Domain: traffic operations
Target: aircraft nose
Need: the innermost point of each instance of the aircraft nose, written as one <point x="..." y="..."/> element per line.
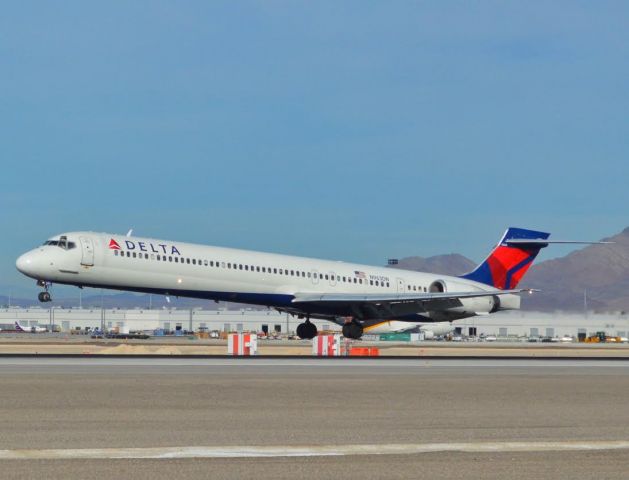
<point x="28" y="263"/>
<point x="24" y="263"/>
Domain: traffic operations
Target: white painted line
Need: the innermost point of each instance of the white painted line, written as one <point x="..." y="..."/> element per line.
<point x="308" y="451"/>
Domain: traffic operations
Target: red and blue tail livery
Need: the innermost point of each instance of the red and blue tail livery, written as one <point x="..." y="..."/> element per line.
<point x="509" y="261"/>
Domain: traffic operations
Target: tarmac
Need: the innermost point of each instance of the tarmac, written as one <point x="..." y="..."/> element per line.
<point x="103" y="417"/>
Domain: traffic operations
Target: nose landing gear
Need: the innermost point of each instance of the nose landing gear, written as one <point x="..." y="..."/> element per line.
<point x="45" y="295"/>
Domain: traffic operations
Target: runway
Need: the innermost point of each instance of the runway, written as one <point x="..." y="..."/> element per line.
<point x="362" y="418"/>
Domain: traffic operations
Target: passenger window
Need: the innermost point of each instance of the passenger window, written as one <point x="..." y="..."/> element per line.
<point x="146" y="256"/>
<point x="246" y="267"/>
<point x="308" y="274"/>
<point x="292" y="273"/>
<point x="326" y="276"/>
<point x="370" y="282"/>
<point x="170" y="259"/>
<point x="134" y="255"/>
<point x="377" y="284"/>
<point x="177" y="260"/>
<point x="257" y="269"/>
<point x="355" y="281"/>
<point x="116" y="253"/>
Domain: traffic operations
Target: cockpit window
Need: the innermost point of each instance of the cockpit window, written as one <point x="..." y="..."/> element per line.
<point x="62" y="243"/>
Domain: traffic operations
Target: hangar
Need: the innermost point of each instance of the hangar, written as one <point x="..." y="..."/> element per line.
<point x="503" y="324"/>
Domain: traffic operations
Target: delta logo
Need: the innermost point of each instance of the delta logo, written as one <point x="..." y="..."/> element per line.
<point x="145" y="247"/>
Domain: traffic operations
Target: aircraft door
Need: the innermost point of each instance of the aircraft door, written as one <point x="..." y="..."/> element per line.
<point x="87" y="248"/>
<point x="400" y="285"/>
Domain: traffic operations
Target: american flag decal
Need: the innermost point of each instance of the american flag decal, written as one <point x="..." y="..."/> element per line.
<point x="359" y="274"/>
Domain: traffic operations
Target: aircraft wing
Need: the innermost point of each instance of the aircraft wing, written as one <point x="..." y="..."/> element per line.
<point x="399" y="303"/>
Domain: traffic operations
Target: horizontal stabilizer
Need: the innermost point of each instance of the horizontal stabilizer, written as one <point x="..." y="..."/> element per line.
<point x="523" y="242"/>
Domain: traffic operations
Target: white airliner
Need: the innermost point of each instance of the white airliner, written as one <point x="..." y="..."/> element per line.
<point x="430" y="330"/>
<point x="349" y="294"/>
<point x="33" y="329"/>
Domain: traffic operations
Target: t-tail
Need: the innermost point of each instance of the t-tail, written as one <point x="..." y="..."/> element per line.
<point x="510" y="259"/>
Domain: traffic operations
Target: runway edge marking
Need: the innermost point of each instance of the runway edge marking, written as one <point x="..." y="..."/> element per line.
<point x="306" y="451"/>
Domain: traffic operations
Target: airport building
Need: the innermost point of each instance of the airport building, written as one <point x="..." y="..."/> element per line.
<point x="503" y="324"/>
<point x="172" y="320"/>
<point x="518" y="323"/>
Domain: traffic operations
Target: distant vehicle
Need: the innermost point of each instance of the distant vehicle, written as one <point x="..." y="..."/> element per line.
<point x="567" y="339"/>
<point x="33" y="329"/>
<point x="490" y="338"/>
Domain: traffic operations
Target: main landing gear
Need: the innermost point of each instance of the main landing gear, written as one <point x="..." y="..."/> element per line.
<point x="307" y="330"/>
<point x="353" y="330"/>
<point x="45" y="295"/>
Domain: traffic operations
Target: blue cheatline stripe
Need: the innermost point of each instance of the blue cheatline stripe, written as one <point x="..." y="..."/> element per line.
<point x="481" y="274"/>
<point x="512" y="271"/>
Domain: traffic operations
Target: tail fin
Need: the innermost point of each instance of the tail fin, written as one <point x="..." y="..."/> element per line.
<point x="510" y="259"/>
<point x="19" y="327"/>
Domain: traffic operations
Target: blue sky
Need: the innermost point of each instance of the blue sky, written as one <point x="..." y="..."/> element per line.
<point x="346" y="130"/>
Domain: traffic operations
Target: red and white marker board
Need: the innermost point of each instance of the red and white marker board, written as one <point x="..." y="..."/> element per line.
<point x="242" y="344"/>
<point x="326" y="346"/>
